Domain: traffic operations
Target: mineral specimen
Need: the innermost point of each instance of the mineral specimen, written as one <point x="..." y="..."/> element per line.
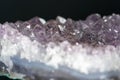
<point x="61" y="49"/>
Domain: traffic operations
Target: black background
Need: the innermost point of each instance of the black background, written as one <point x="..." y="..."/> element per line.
<point x="12" y="10"/>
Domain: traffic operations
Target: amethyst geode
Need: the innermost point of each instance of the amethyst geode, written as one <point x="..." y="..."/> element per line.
<point x="94" y="30"/>
<point x="61" y="48"/>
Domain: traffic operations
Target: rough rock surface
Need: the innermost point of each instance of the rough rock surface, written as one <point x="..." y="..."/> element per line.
<point x="61" y="48"/>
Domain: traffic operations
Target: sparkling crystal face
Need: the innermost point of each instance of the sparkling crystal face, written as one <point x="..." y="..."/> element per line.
<point x="95" y="30"/>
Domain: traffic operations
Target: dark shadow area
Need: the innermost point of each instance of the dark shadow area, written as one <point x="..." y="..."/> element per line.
<point x="6" y="78"/>
<point x="49" y="9"/>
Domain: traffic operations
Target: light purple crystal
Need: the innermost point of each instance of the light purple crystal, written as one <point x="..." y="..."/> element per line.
<point x="93" y="30"/>
<point x="61" y="48"/>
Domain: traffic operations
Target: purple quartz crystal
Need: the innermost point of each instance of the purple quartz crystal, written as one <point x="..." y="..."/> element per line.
<point x="61" y="48"/>
<point x="95" y="30"/>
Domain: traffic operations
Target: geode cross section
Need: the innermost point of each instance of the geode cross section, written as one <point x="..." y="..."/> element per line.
<point x="61" y="48"/>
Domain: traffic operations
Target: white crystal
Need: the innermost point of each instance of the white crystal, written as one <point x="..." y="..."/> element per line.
<point x="64" y="54"/>
<point x="43" y="21"/>
<point x="61" y="27"/>
<point x="28" y="26"/>
<point x="61" y="19"/>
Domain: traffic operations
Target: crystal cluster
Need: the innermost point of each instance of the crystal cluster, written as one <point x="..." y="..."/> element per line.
<point x="61" y="48"/>
<point x="95" y="30"/>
